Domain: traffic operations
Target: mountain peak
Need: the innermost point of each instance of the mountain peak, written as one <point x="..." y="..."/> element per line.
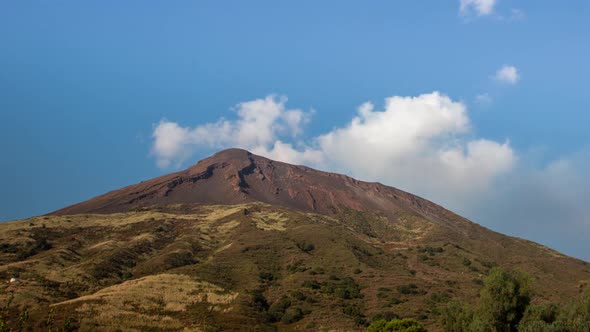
<point x="235" y="176"/>
<point x="231" y="153"/>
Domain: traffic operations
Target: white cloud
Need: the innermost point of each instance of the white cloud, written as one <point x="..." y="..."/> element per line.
<point x="507" y="74"/>
<point x="477" y="7"/>
<point x="260" y="122"/>
<point x="417" y="143"/>
<point x="170" y="143"/>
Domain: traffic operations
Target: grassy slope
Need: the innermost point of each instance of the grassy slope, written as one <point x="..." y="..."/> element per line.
<point x="198" y="267"/>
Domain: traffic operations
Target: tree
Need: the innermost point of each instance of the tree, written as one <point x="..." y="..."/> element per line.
<point x="457" y="317"/>
<point x="576" y="316"/>
<point x="504" y="299"/>
<point x="396" y="325"/>
<point x="538" y="318"/>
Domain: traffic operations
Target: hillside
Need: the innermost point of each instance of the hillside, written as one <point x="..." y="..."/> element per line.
<point x="241" y="242"/>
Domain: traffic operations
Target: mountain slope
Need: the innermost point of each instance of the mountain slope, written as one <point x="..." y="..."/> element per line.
<point x="289" y="248"/>
<point x="236" y="176"/>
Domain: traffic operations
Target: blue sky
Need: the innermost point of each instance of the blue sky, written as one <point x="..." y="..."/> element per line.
<point x="85" y="86"/>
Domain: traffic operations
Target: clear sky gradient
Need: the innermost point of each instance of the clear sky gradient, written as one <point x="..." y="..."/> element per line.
<point x="84" y="84"/>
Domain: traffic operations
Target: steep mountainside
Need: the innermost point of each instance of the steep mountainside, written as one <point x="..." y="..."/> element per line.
<point x="236" y="176"/>
<point x="240" y="242"/>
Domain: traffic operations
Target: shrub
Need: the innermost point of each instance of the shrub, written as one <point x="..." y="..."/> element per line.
<point x="311" y="284"/>
<point x="305" y="247"/>
<point x="296" y="267"/>
<point x="538" y="318"/>
<point x="466" y="261"/>
<point x="355" y="312"/>
<point x="292" y="315"/>
<point x="576" y="315"/>
<point x="456" y="317"/>
<point x="277" y="310"/>
<point x="408" y="289"/>
<point x="384" y="316"/>
<point x="345" y="288"/>
<point x="430" y="250"/>
<point x="503" y="300"/>
<point x="266" y="276"/>
<point x="396" y="325"/>
<point x="258" y="301"/>
<point x="297" y="295"/>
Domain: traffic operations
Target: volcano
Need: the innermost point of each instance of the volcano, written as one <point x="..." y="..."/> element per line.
<point x="236" y="176"/>
<point x="241" y="242"/>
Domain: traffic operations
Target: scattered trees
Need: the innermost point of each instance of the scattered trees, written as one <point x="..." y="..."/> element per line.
<point x="504" y="306"/>
<point x="503" y="301"/>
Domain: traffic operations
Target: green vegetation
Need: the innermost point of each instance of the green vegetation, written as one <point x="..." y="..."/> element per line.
<point x="345" y="288"/>
<point x="574" y="316"/>
<point x="355" y="312"/>
<point x="396" y="325"/>
<point x="305" y="247"/>
<point x="503" y="302"/>
<point x="504" y="306"/>
<point x="431" y="251"/>
<point x="410" y="289"/>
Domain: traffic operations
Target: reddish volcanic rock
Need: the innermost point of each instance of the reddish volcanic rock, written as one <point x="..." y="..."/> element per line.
<point x="236" y="176"/>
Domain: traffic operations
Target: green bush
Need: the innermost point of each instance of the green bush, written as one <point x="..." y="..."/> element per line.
<point x="538" y="318"/>
<point x="387" y="316"/>
<point x="456" y="317"/>
<point x="292" y="315"/>
<point x="277" y="310"/>
<point x="266" y="276"/>
<point x="305" y="247"/>
<point x="311" y="284"/>
<point x="504" y="299"/>
<point x="258" y="301"/>
<point x="296" y="267"/>
<point x="576" y="315"/>
<point x="408" y="289"/>
<point x="355" y="312"/>
<point x="396" y="325"/>
<point x="345" y="288"/>
<point x="505" y="306"/>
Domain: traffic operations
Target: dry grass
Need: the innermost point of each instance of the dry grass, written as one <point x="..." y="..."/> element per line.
<point x="270" y="221"/>
<point x="148" y="302"/>
<point x="154" y="270"/>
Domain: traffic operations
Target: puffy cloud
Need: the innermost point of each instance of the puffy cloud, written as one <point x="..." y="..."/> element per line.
<point x="170" y="143"/>
<point x="507" y="74"/>
<point x="477" y="7"/>
<point x="417" y="143"/>
<point x="260" y="122"/>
